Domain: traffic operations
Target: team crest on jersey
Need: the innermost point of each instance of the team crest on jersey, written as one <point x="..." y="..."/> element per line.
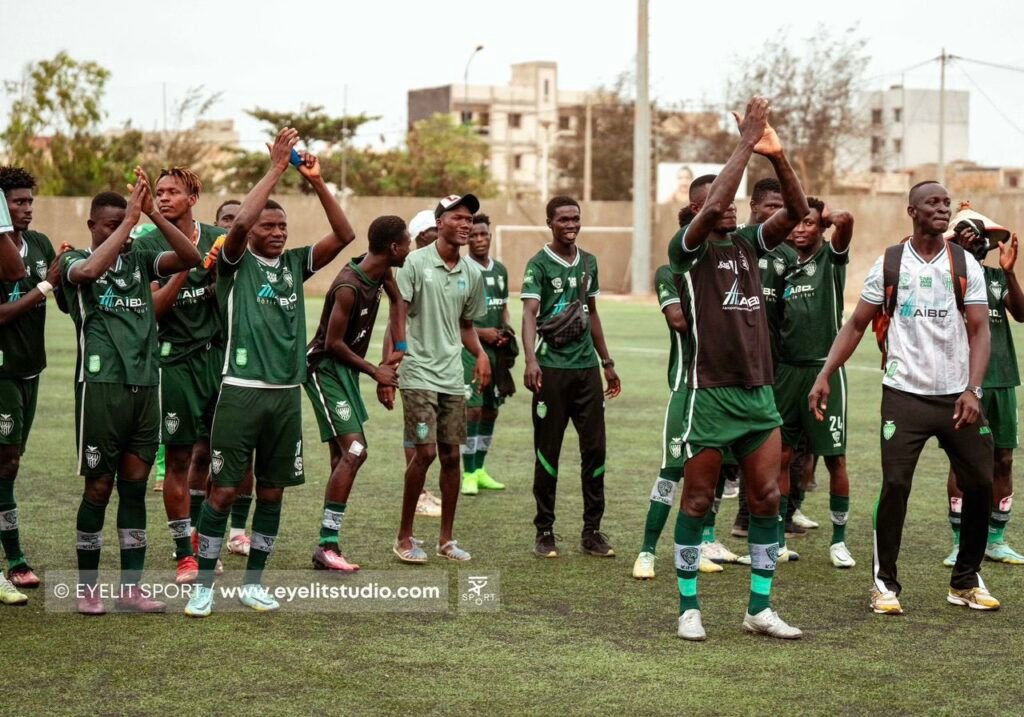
<point x="889" y="430"/>
<point x="343" y="410"/>
<point x="779" y="265"/>
<point x="272" y="276"/>
<point x="298" y="458"/>
<point x="501" y="283"/>
<point x="675" y="447"/>
<point x="810" y="268"/>
<point x="422" y="430"/>
<point x="542" y="409"/>
<point x="287" y="274"/>
<point x="6" y="424"/>
<point x="995" y="289"/>
<point x="904" y="280"/>
<point x="41" y="269"/>
<point x="171" y="423"/>
<point x="137" y="275"/>
<point x="557" y="282"/>
<point x="217" y="462"/>
<point x="121" y="283"/>
<point x="572" y="281"/>
<point x="92" y="456"/>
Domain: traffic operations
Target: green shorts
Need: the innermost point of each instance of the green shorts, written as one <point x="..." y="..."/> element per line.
<point x="1000" y="408"/>
<point x="17" y="409"/>
<point x="792" y="386"/>
<point x="729" y="417"/>
<point x="112" y="419"/>
<point x="432" y="417"/>
<point x="475" y="398"/>
<point x="334" y="392"/>
<point x="267" y="421"/>
<point x="188" y="396"/>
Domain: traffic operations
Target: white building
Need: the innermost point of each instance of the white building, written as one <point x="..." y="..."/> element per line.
<point x="904" y="128"/>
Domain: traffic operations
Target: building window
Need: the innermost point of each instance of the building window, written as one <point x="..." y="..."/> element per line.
<point x="484" y="119"/>
<point x="515" y="120"/>
<point x="877" y="143"/>
<point x="563" y="123"/>
<point x="517" y="161"/>
<point x="897" y="146"/>
<point x="897" y="114"/>
<point x="1013" y="181"/>
<point x="547" y="89"/>
<point x="876" y="117"/>
<point x="467" y="116"/>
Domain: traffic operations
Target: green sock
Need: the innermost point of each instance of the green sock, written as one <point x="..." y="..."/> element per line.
<point x="266" y="520"/>
<point x="708" y="534"/>
<point x="181" y="534"/>
<point x="688" y="530"/>
<point x="783" y="507"/>
<point x="330" y="526"/>
<point x="240" y="511"/>
<point x="195" y="505"/>
<point x="997" y="521"/>
<point x="662" y="498"/>
<point x="89" y="539"/>
<point x="469" y="449"/>
<point x="9" y="537"/>
<point x="131" y="529"/>
<point x="954" y="518"/>
<point x="764" y="547"/>
<point x="161" y="463"/>
<point x="484" y="438"/>
<point x="839" y="506"/>
<point x="211" y="527"/>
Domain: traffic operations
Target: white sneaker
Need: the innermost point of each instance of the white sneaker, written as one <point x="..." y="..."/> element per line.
<point x="691" y="627"/>
<point x="643" y="566"/>
<point x="427" y="507"/>
<point x="950" y="560"/>
<point x="732" y="489"/>
<point x="706" y="566"/>
<point x="768" y="622"/>
<point x="840" y="555"/>
<point x="803" y="521"/>
<point x="257" y="597"/>
<point x="743" y="560"/>
<point x="718" y="553"/>
<point x="787" y="556"/>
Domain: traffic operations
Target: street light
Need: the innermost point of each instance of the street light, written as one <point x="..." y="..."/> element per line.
<point x="465" y="82"/>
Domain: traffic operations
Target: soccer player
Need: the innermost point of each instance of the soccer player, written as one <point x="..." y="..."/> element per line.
<point x="335" y="358"/>
<point x="563" y="370"/>
<point x="444" y="295"/>
<point x="935" y="362"/>
<point x="191" y="356"/>
<point x="117" y="394"/>
<point x="809" y="314"/>
<point x="22" y="360"/>
<point x="730" y="401"/>
<point x="482" y="405"/>
<point x="259" y="287"/>
<point x="999" y="402"/>
<point x="226" y="213"/>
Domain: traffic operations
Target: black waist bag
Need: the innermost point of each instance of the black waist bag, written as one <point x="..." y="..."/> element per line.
<point x="569" y="325"/>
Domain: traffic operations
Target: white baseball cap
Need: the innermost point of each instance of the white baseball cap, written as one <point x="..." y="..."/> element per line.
<point x="421" y="222"/>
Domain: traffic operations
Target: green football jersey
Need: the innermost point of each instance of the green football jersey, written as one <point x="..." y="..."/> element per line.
<point x="668" y="294"/>
<point x="556" y="283"/>
<point x="22" y="344"/>
<point x="114" y="320"/>
<point x="194" y="321"/>
<point x="811" y="309"/>
<point x="1002" y="366"/>
<point x="495" y="278"/>
<point x="263" y="310"/>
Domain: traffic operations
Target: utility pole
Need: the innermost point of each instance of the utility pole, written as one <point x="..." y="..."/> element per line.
<point x="641" y="278"/>
<point x="942" y="116"/>
<point x="344" y="141"/>
<point x="588" y="150"/>
<point x="544" y="161"/>
<point x="466" y="113"/>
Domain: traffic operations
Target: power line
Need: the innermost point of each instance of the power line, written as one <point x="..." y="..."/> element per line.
<point x="996" y="65"/>
<point x="990" y="100"/>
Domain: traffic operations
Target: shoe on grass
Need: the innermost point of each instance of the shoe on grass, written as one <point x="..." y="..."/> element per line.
<point x="997" y="552"/>
<point x="885" y="602"/>
<point x="978" y="598"/>
<point x="469" y="485"/>
<point x="485" y="482"/>
<point x="239" y="545"/>
<point x="717" y="553"/>
<point x="255" y="596"/>
<point x="767" y="622"/>
<point x="643" y="566"/>
<point x="803" y="521"/>
<point x="201" y="602"/>
<point x="328" y="557"/>
<point x="9" y="594"/>
<point x="452" y="551"/>
<point x="134" y="600"/>
<point x="731" y="490"/>
<point x="545" y="546"/>
<point x="691" y="627"/>
<point x="795" y="531"/>
<point x="840" y="556"/>
<point x="950" y="560"/>
<point x="22" y="576"/>
<point x="426" y="506"/>
<point x="187" y="570"/>
<point x="413" y="555"/>
<point x="594" y="542"/>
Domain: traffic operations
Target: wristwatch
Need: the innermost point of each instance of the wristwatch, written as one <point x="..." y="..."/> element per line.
<point x="977" y="391"/>
<point x="607" y="363"/>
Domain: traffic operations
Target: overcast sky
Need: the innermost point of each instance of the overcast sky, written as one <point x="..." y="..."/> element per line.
<point x="279" y="55"/>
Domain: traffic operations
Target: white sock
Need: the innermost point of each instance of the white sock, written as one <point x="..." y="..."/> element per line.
<point x="235" y="532"/>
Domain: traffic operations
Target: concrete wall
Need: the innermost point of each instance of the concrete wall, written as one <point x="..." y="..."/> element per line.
<point x="880" y="221"/>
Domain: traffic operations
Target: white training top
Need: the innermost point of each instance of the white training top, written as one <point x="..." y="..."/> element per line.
<point x="928" y="350"/>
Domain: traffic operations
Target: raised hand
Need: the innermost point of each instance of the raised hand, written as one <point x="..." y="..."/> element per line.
<point x="754" y="128"/>
<point x="147" y="201"/>
<point x="309" y="167"/>
<point x="1008" y="254"/>
<point x="140" y="191"/>
<point x="281" y="150"/>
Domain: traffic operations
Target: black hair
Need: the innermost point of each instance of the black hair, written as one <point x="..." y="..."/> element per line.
<point x="186" y="176"/>
<point x="271" y="204"/>
<point x="560" y="201"/>
<point x="384" y="231"/>
<point x="685" y="216"/>
<point x="228" y="203"/>
<point x="481" y="218"/>
<point x="910" y="195"/>
<point x="15" y="178"/>
<point x="699" y="182"/>
<point x="765" y="186"/>
<point x="815" y="203"/>
<point x="107" y="199"/>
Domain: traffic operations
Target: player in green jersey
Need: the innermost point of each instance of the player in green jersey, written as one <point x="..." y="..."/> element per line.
<point x="259" y="409"/>
<point x="117" y="381"/>
<point x="226" y="213"/>
<point x="999" y="400"/>
<point x="191" y="355"/>
<point x="809" y="313"/>
<point x="493" y="329"/>
<point x="22" y="360"/>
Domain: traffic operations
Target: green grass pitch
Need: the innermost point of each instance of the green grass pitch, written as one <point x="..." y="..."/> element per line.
<point x="574" y="636"/>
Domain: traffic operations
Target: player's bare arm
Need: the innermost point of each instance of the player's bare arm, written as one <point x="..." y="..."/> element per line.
<point x="90" y="269"/>
<point x="385" y="374"/>
<point x="12" y="268"/>
<point x="979" y="342"/>
<point x="1014" y="299"/>
<point x="614" y="384"/>
<point x="842" y="222"/>
<point x="842" y="349"/>
<point x="675" y="318"/>
<point x="164" y="297"/>
<point x="13" y="309"/>
<point x="342" y="232"/>
<point x="252" y="206"/>
<point x="471" y="342"/>
<point x="532" y="377"/>
<point x="781" y="223"/>
<point x="396" y="320"/>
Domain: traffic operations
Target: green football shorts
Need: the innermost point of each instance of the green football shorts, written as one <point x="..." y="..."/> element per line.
<point x="188" y="396"/>
<point x="792" y="386"/>
<point x="17" y="409"/>
<point x="728" y="417"/>
<point x="111" y="419"/>
<point x="475" y="398"/>
<point x="267" y="421"/>
<point x="1000" y="408"/>
<point x="333" y="390"/>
